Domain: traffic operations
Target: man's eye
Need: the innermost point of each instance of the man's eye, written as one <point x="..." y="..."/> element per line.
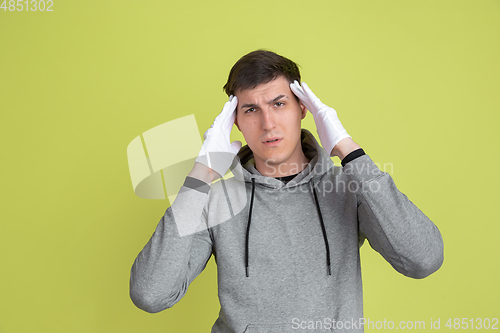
<point x="251" y="109"/>
<point x="279" y="103"/>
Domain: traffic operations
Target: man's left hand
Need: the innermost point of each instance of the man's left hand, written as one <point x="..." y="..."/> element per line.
<point x="330" y="129"/>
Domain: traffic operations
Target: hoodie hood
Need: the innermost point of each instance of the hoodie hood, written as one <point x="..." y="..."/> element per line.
<point x="320" y="163"/>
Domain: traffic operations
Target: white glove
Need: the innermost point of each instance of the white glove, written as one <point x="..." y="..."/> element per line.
<point x="330" y="130"/>
<point x="217" y="152"/>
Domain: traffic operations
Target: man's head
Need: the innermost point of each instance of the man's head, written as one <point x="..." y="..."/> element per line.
<point x="268" y="109"/>
<point x="259" y="67"/>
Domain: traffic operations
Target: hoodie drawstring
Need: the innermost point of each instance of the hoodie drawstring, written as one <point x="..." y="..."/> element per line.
<point x="320" y="220"/>
<point x="248" y="225"/>
<point x="323" y="229"/>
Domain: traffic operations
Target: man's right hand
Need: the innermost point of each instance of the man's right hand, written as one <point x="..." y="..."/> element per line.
<point x="217" y="152"/>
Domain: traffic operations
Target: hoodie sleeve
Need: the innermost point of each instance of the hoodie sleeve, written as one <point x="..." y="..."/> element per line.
<point x="393" y="225"/>
<point x="174" y="256"/>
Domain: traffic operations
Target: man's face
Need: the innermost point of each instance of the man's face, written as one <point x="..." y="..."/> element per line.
<point x="271" y="111"/>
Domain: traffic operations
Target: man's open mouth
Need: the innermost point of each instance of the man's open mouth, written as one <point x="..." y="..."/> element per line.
<point x="273" y="141"/>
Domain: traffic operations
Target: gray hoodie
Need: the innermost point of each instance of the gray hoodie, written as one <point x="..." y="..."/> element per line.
<point x="287" y="254"/>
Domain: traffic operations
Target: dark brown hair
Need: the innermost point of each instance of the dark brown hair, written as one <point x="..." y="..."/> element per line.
<point x="259" y="67"/>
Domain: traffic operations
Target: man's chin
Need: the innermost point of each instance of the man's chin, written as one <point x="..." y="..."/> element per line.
<point x="273" y="161"/>
<point x="275" y="158"/>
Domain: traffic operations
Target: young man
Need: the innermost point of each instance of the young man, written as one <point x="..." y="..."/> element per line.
<point x="287" y="245"/>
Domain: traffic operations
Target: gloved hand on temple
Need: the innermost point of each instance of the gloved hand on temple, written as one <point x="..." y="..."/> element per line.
<point x="217" y="152"/>
<point x="329" y="127"/>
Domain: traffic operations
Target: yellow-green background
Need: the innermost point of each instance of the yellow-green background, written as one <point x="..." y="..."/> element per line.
<point x="415" y="83"/>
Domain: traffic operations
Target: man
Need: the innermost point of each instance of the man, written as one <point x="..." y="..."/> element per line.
<point x="291" y="255"/>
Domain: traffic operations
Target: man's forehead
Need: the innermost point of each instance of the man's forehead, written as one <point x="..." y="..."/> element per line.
<point x="243" y="103"/>
<point x="266" y="91"/>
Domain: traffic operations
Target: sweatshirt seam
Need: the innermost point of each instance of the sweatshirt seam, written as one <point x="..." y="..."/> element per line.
<point x="371" y="179"/>
<point x="226" y="195"/>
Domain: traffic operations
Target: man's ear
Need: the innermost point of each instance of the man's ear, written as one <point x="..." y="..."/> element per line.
<point x="304" y="110"/>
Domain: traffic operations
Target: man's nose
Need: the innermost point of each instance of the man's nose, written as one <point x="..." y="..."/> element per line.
<point x="268" y="121"/>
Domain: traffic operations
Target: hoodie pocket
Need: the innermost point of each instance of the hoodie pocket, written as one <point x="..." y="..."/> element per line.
<point x="270" y="328"/>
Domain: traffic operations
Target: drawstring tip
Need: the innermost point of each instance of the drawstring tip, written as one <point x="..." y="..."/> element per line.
<point x="246" y="269"/>
<point x="329" y="271"/>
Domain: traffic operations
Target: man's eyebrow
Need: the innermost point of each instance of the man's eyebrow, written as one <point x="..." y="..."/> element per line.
<point x="252" y="105"/>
